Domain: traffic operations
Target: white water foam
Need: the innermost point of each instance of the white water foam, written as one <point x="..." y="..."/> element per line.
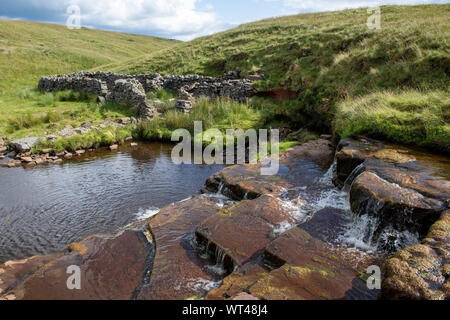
<point x="359" y="234"/>
<point x="201" y="284"/>
<point x="327" y="178"/>
<point x="219" y="199"/>
<point x="305" y="205"/>
<point x="217" y="269"/>
<point x="144" y="214"/>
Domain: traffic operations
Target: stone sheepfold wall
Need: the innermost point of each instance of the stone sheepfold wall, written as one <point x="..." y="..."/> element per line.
<point x="98" y="82"/>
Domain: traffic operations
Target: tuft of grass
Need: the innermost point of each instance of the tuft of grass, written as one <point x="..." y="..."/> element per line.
<point x="410" y="117"/>
<point x="92" y="139"/>
<point x="162" y="94"/>
<point x="221" y="113"/>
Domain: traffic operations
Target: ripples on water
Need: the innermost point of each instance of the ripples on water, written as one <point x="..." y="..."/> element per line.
<point x="45" y="208"/>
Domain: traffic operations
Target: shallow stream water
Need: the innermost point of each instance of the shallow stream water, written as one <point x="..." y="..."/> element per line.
<point x="45" y="208"/>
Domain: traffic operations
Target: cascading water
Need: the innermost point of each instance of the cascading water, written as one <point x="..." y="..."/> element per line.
<point x="219" y="198"/>
<point x="363" y="231"/>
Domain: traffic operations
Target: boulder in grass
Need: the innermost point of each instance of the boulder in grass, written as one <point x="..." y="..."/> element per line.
<point x="24" y="145"/>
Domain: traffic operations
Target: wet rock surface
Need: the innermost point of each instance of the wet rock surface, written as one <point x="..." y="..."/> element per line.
<point x="296" y="266"/>
<point x="178" y="272"/>
<point x="281" y="240"/>
<point x="256" y="219"/>
<point x="402" y="188"/>
<point x="299" y="166"/>
<point x="421" y="271"/>
<point x="111" y="268"/>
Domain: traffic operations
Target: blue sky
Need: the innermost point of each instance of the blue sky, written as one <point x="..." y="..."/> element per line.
<point x="178" y="19"/>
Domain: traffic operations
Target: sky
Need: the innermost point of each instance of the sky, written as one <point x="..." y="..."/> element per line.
<point x="175" y="19"/>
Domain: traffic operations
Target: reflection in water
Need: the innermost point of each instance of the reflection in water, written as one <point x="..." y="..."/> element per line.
<point x="45" y="208"/>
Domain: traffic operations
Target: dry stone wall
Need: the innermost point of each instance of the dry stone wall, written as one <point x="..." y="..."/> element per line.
<point x="73" y="82"/>
<point x="99" y="82"/>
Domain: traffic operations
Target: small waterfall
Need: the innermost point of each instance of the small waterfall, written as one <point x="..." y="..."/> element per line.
<point x="364" y="231"/>
<point x="220" y="187"/>
<point x="353" y="176"/>
<point x="219" y="197"/>
<point x="328" y="177"/>
<point x="223" y="266"/>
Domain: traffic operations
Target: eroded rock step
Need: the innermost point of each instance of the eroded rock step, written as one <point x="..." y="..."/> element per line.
<point x="405" y="190"/>
<point x="111" y="268"/>
<point x="299" y="166"/>
<point x="303" y="268"/>
<point x="240" y="232"/>
<point x="178" y="271"/>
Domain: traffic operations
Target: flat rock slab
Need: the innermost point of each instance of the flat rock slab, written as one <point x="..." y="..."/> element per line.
<point x="178" y="272"/>
<point x="111" y="268"/>
<point x="241" y="231"/>
<point x="245" y="182"/>
<point x="303" y="268"/>
<point x="300" y="165"/>
<point x="426" y="173"/>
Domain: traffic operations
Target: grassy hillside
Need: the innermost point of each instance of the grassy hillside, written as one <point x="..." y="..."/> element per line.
<point x="339" y="68"/>
<point x="29" y="50"/>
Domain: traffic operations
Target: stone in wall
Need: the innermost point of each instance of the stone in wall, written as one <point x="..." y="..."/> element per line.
<point x="185" y="101"/>
<point x="131" y="91"/>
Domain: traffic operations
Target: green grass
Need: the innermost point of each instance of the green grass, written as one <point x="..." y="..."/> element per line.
<point x="51" y="112"/>
<point x="409" y="116"/>
<point x="220" y="113"/>
<point x="29" y="50"/>
<point x="331" y="59"/>
<point x="92" y="139"/>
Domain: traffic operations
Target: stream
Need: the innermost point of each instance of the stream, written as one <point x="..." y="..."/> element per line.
<point x="45" y="208"/>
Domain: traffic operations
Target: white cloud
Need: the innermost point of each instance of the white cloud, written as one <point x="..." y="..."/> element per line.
<point x="180" y="19"/>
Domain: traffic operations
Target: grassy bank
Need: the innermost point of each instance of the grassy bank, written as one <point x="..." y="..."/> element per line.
<point x="219" y="113"/>
<point x="44" y="113"/>
<point x="335" y="63"/>
<point x="410" y="117"/>
<point x="92" y="139"/>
